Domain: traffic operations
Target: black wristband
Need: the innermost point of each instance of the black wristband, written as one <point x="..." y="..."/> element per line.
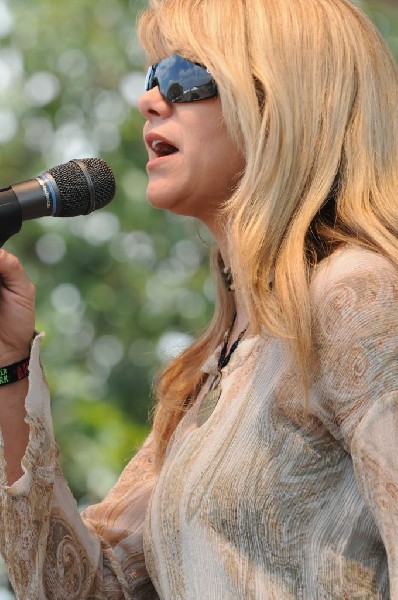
<point x="14" y="372"/>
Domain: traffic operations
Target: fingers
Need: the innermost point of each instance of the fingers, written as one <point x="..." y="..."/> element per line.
<point x="13" y="276"/>
<point x="17" y="311"/>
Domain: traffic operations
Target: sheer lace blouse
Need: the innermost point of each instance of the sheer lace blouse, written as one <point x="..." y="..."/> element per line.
<point x="257" y="503"/>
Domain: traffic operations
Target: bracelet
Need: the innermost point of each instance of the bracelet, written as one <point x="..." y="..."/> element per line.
<point x="14" y="372"/>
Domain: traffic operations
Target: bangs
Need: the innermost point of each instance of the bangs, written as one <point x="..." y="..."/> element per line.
<point x="173" y="27"/>
<point x="198" y="30"/>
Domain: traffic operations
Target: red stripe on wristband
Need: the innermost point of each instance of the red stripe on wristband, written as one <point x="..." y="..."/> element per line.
<point x="14" y="372"/>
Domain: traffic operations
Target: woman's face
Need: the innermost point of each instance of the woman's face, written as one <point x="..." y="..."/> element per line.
<point x="204" y="164"/>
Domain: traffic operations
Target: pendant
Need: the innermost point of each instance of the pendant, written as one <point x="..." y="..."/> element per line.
<point x="209" y="400"/>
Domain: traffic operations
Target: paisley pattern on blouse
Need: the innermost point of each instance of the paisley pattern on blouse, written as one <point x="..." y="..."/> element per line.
<point x="66" y="569"/>
<point x="265" y="500"/>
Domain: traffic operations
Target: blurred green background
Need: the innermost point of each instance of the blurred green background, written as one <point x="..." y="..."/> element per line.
<point x="122" y="290"/>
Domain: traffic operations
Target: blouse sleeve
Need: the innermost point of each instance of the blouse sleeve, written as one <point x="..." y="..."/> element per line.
<point x="50" y="550"/>
<point x="356" y="332"/>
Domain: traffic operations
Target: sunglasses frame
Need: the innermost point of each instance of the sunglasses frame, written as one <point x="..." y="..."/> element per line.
<point x="176" y="92"/>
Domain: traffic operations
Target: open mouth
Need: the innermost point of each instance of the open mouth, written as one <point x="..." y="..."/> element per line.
<point x="163" y="148"/>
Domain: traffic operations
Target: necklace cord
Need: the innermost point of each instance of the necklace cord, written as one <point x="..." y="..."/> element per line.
<point x="224" y="356"/>
<point x="210" y="399"/>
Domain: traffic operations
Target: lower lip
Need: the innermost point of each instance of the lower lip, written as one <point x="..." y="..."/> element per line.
<point x="161" y="159"/>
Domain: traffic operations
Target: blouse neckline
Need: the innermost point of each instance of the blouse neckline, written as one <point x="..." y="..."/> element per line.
<point x="241" y="353"/>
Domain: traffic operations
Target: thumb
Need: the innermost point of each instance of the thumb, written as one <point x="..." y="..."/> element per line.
<point x="13" y="277"/>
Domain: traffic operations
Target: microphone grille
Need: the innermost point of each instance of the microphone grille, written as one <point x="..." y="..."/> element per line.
<point x="80" y="193"/>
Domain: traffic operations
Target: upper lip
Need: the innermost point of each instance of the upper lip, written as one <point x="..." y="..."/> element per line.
<point x="152" y="137"/>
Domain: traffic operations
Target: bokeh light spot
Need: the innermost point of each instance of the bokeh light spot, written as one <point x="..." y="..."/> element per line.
<point x="50" y="248"/>
<point x="6" y="19"/>
<point x="42" y="88"/>
<point x="66" y="298"/>
<point x="8" y="125"/>
<point x="171" y="344"/>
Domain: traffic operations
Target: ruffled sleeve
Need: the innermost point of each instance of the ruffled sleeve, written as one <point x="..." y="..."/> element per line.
<point x="355" y="303"/>
<point x="50" y="550"/>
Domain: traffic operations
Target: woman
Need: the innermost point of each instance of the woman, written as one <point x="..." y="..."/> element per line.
<point x="271" y="471"/>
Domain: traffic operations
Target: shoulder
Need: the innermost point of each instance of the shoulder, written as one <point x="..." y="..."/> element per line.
<point x="354" y="295"/>
<point x="354" y="305"/>
<point x="355" y="274"/>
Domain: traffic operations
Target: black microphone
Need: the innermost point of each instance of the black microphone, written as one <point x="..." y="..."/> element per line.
<point x="74" y="188"/>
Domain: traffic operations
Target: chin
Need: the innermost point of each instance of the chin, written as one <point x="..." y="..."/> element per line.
<point x="170" y="202"/>
<point x="164" y="203"/>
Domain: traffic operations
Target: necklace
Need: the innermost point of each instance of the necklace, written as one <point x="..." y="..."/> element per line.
<point x="212" y="396"/>
<point x="226" y="274"/>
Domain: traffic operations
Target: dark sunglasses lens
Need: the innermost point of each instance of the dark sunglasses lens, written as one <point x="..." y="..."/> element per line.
<point x="181" y="80"/>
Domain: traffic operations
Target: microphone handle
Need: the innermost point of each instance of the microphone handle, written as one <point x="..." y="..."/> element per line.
<point x="10" y="214"/>
<point x="38" y="197"/>
<point x="27" y="200"/>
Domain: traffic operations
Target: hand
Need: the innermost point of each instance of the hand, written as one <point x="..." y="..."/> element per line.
<point x="17" y="310"/>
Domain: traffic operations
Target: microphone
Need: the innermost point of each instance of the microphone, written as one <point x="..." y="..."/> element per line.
<point x="77" y="187"/>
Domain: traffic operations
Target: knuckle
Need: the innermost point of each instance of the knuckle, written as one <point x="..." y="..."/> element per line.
<point x="10" y="260"/>
<point x="14" y="263"/>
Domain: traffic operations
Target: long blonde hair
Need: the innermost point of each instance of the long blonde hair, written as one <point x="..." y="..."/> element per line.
<point x="309" y="91"/>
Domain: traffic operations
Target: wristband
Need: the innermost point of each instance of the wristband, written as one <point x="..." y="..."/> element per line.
<point x="14" y="372"/>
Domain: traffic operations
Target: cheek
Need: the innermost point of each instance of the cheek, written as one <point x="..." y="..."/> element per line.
<point x="216" y="177"/>
<point x="227" y="162"/>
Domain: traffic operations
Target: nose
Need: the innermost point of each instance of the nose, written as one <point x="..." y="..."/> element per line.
<point x="152" y="104"/>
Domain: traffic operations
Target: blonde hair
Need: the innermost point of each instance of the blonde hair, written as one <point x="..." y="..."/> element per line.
<point x="309" y="90"/>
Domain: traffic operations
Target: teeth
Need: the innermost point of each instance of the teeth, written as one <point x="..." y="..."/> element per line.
<point x="155" y="143"/>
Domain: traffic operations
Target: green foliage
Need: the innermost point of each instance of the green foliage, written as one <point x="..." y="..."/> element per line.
<point x="121" y="289"/>
<point x="384" y="15"/>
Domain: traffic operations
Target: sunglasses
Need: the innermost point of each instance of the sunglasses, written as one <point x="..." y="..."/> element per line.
<point x="181" y="80"/>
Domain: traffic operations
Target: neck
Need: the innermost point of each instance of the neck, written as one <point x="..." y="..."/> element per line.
<point x="241" y="321"/>
<point x="217" y="230"/>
